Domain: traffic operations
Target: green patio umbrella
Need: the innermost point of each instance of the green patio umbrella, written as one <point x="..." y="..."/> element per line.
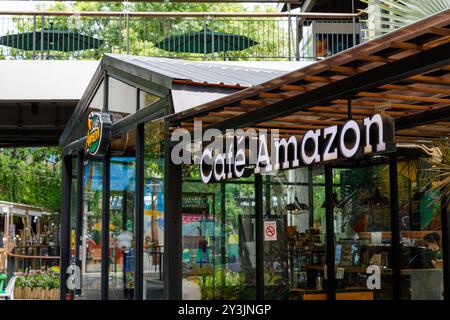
<point x="50" y="39"/>
<point x="202" y="42"/>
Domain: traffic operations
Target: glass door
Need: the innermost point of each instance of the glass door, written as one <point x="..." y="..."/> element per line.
<point x="295" y="251"/>
<point x="362" y="225"/>
<point x="420" y="231"/>
<point x="91" y="242"/>
<point x="122" y="251"/>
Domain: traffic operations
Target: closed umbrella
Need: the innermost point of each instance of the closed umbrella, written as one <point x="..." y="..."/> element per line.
<point x="206" y="42"/>
<point x="50" y="39"/>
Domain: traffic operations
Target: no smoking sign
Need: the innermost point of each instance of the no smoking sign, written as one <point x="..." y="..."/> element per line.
<point x="270" y="231"/>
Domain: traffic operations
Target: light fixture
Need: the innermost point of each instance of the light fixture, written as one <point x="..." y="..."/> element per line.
<point x="335" y="202"/>
<point x="377" y="199"/>
<point x="296" y="206"/>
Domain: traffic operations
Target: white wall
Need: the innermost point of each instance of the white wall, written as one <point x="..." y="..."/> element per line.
<point x="44" y="80"/>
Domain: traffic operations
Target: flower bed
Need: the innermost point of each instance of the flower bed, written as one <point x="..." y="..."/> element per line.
<point x="41" y="284"/>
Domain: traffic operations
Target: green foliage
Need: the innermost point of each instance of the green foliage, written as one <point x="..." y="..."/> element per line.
<point x="45" y="277"/>
<point x="145" y="32"/>
<point x="223" y="284"/>
<point x="440" y="167"/>
<point x="31" y="176"/>
<point x="396" y="14"/>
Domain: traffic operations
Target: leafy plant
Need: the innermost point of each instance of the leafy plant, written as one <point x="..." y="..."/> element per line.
<point x="440" y="165"/>
<point x="396" y="14"/>
<point x="47" y="278"/>
<point x="31" y="176"/>
<point x="222" y="284"/>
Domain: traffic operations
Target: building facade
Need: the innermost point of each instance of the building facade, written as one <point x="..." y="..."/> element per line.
<point x="366" y="222"/>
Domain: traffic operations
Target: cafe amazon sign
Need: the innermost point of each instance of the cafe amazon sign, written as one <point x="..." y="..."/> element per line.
<point x="265" y="152"/>
<point x="98" y="134"/>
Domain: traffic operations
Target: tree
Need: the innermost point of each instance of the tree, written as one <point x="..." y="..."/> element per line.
<point x="145" y="32"/>
<point x="395" y="14"/>
<point x="31" y="176"/>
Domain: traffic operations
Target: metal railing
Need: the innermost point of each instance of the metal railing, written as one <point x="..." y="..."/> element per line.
<point x="237" y="36"/>
<point x="32" y="257"/>
<point x="154" y="264"/>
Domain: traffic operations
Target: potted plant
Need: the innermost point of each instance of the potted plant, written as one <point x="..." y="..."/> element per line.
<point x="41" y="284"/>
<point x="440" y="166"/>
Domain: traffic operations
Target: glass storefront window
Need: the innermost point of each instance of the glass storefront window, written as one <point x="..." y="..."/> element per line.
<point x="362" y="223"/>
<point x="295" y="261"/>
<point x="147" y="99"/>
<point x="95" y="105"/>
<point x="201" y="240"/>
<point x="97" y="100"/>
<point x="218" y="230"/>
<point x="240" y="241"/>
<point x="122" y="216"/>
<point x="73" y="206"/>
<point x="420" y="231"/>
<point x="91" y="241"/>
<point x="121" y="99"/>
<point x="153" y="254"/>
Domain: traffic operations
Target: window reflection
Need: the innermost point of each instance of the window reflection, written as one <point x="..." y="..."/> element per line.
<point x="147" y="99"/>
<point x="420" y="231"/>
<point x="219" y="244"/>
<point x="121" y="99"/>
<point x="153" y="232"/>
<point x="295" y="263"/>
<point x="91" y="250"/>
<point x="362" y="222"/>
<point x="122" y="217"/>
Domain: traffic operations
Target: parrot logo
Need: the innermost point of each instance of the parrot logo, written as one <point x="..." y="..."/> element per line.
<point x="94" y="133"/>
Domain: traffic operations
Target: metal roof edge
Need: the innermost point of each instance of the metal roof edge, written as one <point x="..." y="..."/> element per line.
<point x="82" y="103"/>
<point x="114" y="61"/>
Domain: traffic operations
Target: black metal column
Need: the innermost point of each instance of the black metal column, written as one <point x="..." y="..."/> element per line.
<point x="65" y="223"/>
<point x="259" y="237"/>
<point x="223" y="258"/>
<point x="331" y="269"/>
<point x="445" y="243"/>
<point x="105" y="225"/>
<point x="79" y="230"/>
<point x="349" y="108"/>
<point x="310" y="197"/>
<point x="139" y="217"/>
<point x="268" y="196"/>
<point x="105" y="203"/>
<point x="395" y="227"/>
<point x="172" y="225"/>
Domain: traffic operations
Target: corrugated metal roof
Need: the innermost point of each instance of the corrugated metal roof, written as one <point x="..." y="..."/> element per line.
<point x="204" y="72"/>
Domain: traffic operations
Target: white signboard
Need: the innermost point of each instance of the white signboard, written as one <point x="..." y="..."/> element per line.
<point x="270" y="231"/>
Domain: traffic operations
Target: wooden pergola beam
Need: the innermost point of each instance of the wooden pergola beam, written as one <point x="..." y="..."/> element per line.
<point x="374" y="58"/>
<point x="401" y="97"/>
<point x="271" y="95"/>
<point x="406" y="46"/>
<point x="303" y="120"/>
<point x="363" y="112"/>
<point x="374" y="104"/>
<point x="415" y="88"/>
<point x="343" y="116"/>
<point x="440" y="31"/>
<point x="292" y="87"/>
<point x="430" y="79"/>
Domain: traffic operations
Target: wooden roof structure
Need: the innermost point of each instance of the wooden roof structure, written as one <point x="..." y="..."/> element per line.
<point x="404" y="74"/>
